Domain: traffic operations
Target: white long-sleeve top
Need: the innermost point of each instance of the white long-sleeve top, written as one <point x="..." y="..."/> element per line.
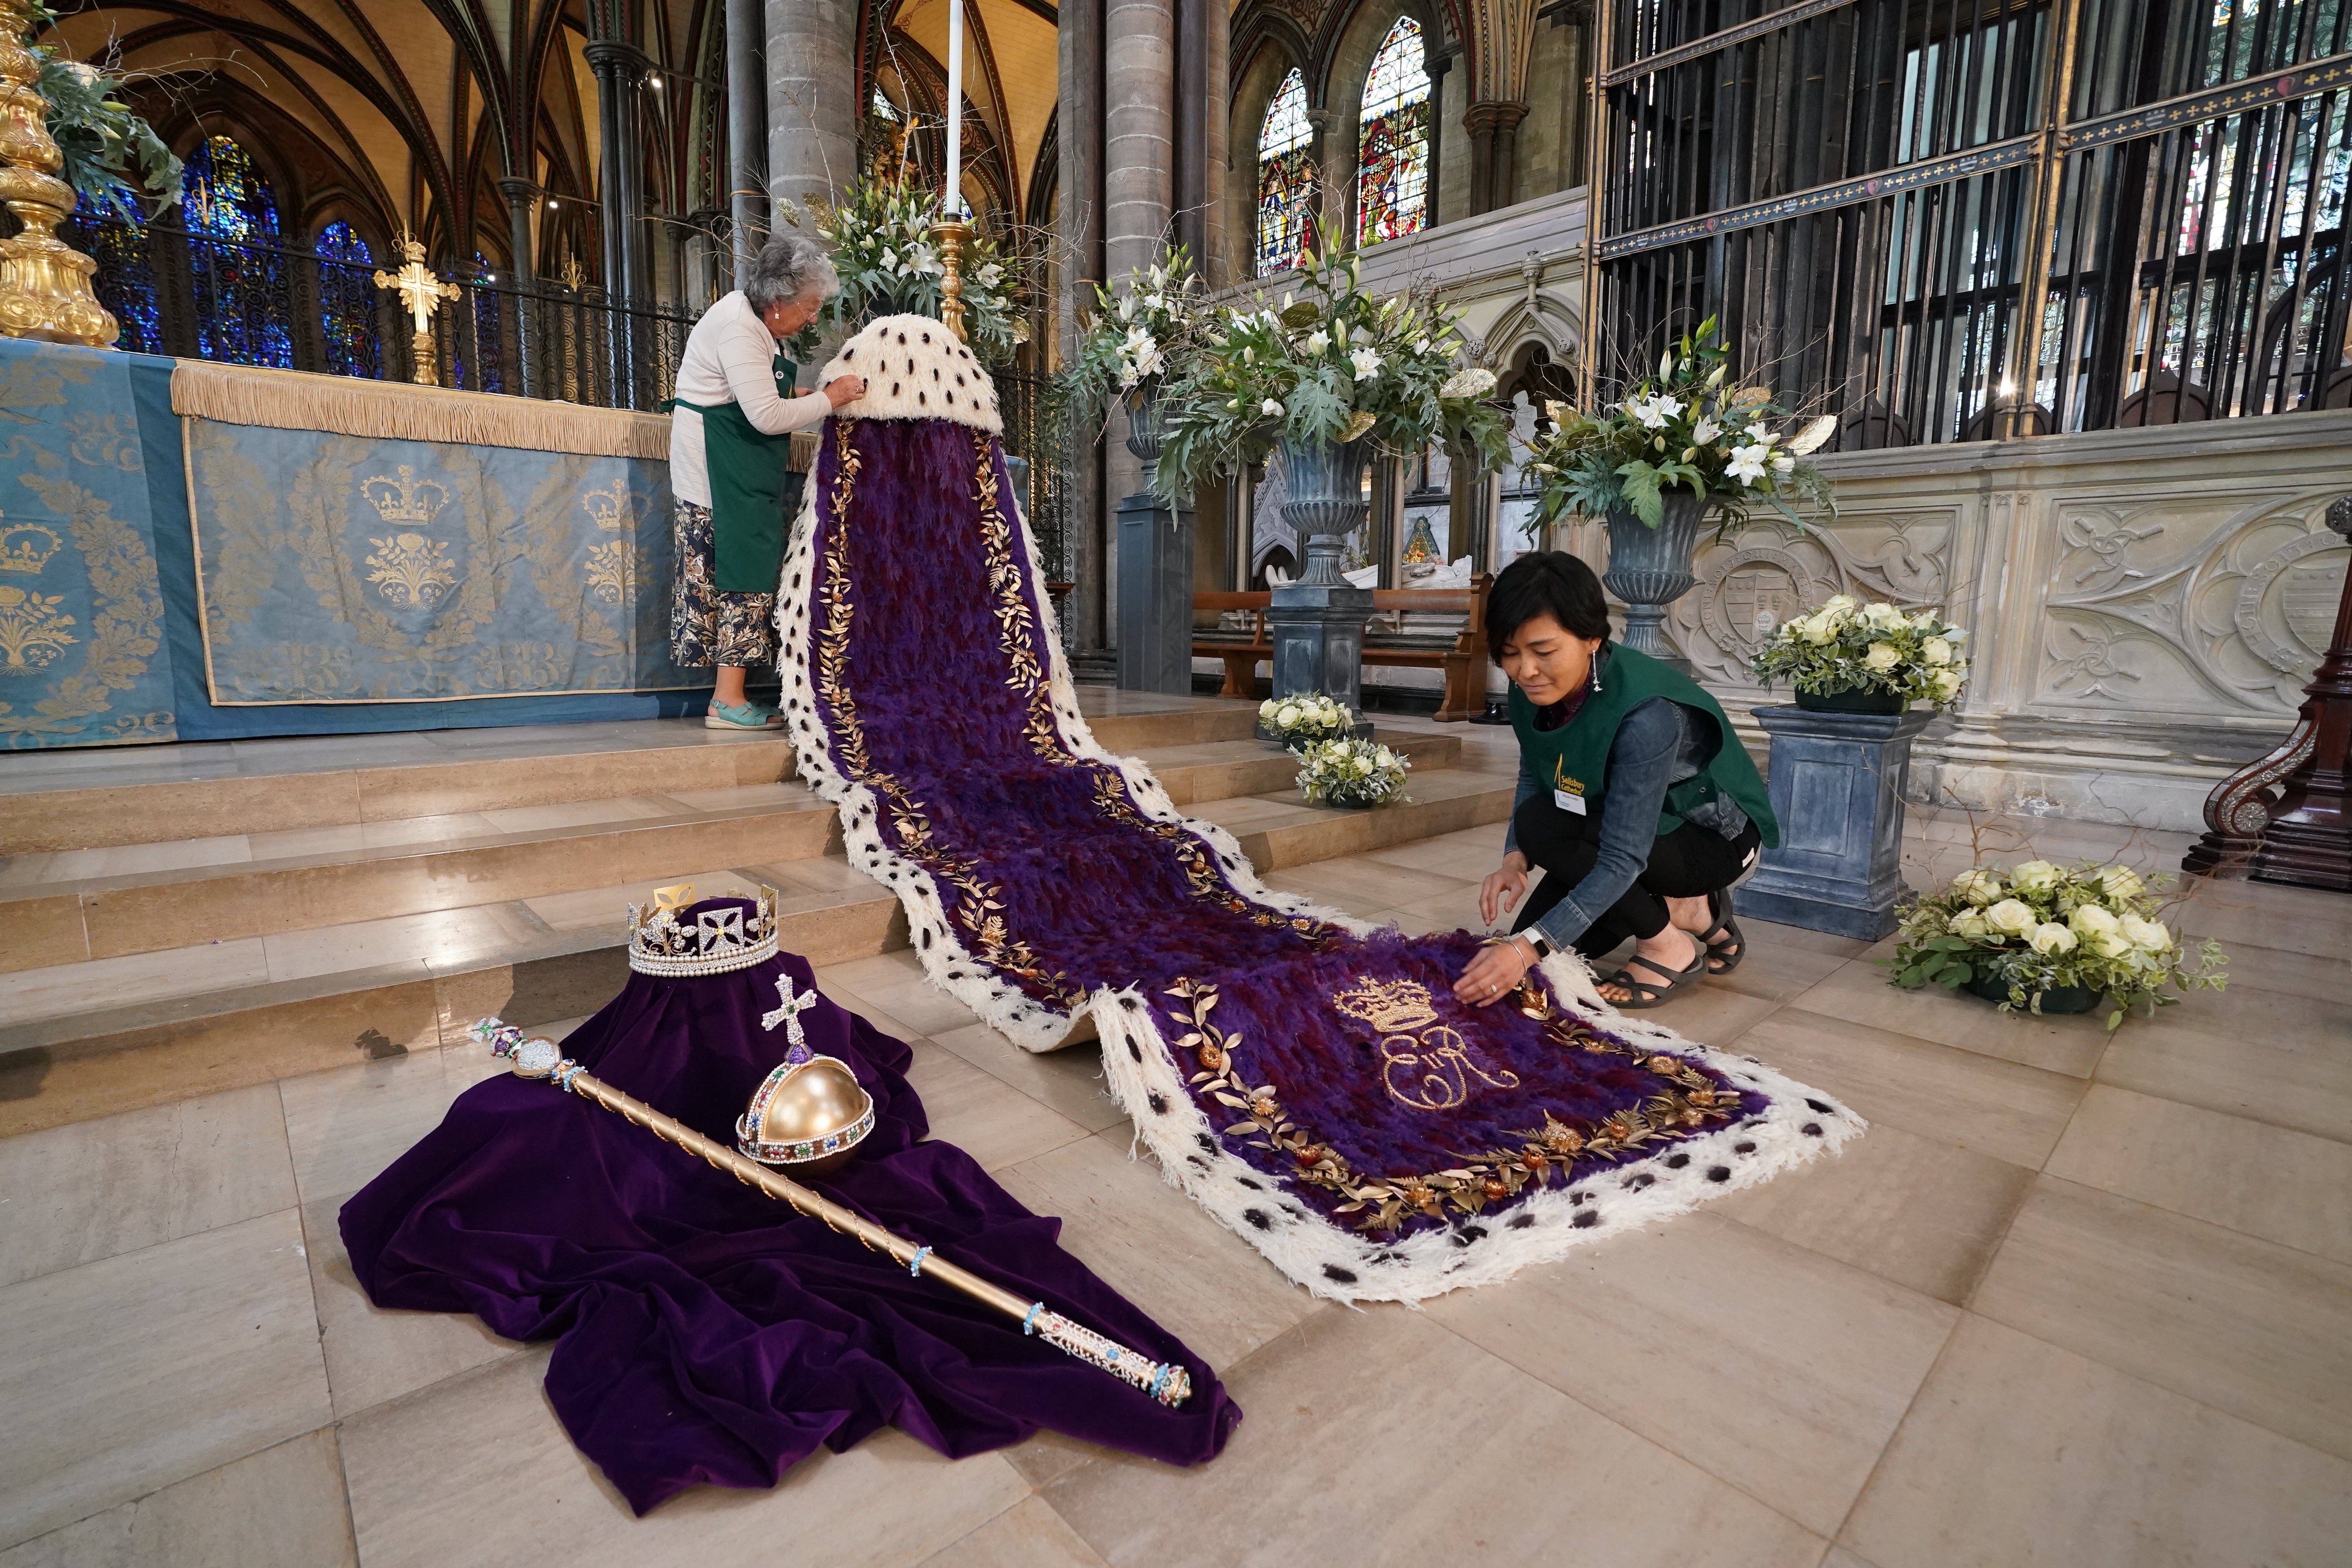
<point x="729" y="357"/>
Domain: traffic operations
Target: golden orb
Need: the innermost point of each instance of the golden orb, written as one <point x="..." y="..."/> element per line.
<point x="809" y="1115"/>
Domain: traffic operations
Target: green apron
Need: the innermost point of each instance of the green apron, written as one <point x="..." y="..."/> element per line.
<point x="752" y="489"/>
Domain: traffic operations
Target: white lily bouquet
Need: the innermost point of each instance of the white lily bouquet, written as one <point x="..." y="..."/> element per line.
<point x="1337" y="366"/>
<point x="1686" y="428"/>
<point x="1352" y="772"/>
<point x="1143" y="327"/>
<point x="883" y="248"/>
<point x="1848" y="646"/>
<point x="2018" y="935"/>
<point x="1297" y="722"/>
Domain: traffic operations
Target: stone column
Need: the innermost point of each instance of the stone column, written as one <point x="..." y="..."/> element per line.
<point x="1493" y="128"/>
<point x="1836" y="788"/>
<point x="523" y="198"/>
<point x="1080" y="223"/>
<point x="1139" y="163"/>
<point x="746" y="117"/>
<point x="620" y="68"/>
<point x="1437" y="63"/>
<point x="1328" y="187"/>
<point x="813" y="108"/>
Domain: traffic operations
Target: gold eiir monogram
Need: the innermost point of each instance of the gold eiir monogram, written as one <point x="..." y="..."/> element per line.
<point x="1427" y="1065"/>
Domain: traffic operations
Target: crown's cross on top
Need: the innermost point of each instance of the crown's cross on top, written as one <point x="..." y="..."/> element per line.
<point x="788" y="1012"/>
<point x="421" y="290"/>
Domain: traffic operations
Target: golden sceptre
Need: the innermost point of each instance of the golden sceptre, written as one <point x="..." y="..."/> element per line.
<point x="1166" y="1382"/>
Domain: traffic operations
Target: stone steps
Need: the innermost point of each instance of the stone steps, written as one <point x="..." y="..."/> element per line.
<point x="230" y="964"/>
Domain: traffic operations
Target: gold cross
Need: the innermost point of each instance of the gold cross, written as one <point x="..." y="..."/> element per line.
<point x="420" y="290"/>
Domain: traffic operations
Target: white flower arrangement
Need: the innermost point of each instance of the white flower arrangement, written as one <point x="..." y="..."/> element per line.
<point x="1298" y="721"/>
<point x="2038" y="927"/>
<point x="1848" y="646"/>
<point x="1352" y="772"/>
<point x="881" y="235"/>
<point x="1143" y="328"/>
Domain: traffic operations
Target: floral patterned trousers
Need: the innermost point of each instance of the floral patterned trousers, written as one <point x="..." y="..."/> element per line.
<point x="708" y="626"/>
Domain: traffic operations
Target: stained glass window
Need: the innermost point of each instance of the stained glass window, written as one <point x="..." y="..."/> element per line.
<point x="1285" y="178"/>
<point x="1392" y="156"/>
<point x="125" y="281"/>
<point x="238" y="276"/>
<point x="489" y="364"/>
<point x="347" y="302"/>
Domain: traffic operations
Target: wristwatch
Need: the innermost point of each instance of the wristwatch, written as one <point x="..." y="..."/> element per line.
<point x="1534" y="940"/>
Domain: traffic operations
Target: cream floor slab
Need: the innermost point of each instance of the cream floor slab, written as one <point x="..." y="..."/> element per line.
<point x="281" y="1508"/>
<point x="345" y="1126"/>
<point x="67" y="988"/>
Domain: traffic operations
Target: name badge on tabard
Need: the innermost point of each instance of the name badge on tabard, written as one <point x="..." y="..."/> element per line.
<point x="1567" y="794"/>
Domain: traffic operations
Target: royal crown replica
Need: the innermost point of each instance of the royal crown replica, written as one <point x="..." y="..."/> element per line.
<point x="663" y="941"/>
<point x="812" y="1111"/>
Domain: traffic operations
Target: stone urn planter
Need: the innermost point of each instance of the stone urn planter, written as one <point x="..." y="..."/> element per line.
<point x="1852" y="702"/>
<point x="1323" y="502"/>
<point x="1155" y="567"/>
<point x="1650" y="568"/>
<point x="1316" y="623"/>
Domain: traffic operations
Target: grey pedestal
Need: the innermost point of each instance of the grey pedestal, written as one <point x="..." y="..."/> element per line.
<point x="1837" y="791"/>
<point x="1155" y="597"/>
<point x="1317" y="634"/>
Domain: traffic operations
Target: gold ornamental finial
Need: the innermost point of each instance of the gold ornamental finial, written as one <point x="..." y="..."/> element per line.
<point x="44" y="282"/>
<point x="421" y="293"/>
<point x="951" y="233"/>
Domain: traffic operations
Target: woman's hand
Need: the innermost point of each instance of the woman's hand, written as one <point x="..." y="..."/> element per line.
<point x="844" y="389"/>
<point x="1496" y="970"/>
<point x="1503" y="889"/>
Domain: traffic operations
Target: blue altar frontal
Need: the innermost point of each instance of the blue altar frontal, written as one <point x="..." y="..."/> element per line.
<point x="172" y="576"/>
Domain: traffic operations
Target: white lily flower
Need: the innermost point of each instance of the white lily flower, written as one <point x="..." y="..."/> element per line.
<point x="1367" y="362"/>
<point x="1746" y="463"/>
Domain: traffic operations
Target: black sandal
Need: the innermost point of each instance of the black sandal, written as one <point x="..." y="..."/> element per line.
<point x="1649" y="993"/>
<point x="1724" y="933"/>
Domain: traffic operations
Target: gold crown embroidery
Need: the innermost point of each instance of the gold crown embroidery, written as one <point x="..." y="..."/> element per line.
<point x="609" y="509"/>
<point x="1391" y="1006"/>
<point x="1425" y="1063"/>
<point x="27" y="547"/>
<point x="406" y="498"/>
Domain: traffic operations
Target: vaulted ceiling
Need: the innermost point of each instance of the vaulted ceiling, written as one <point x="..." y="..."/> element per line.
<point x="1011" y="79"/>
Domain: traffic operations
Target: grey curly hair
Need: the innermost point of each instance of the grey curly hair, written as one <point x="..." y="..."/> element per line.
<point x="788" y="266"/>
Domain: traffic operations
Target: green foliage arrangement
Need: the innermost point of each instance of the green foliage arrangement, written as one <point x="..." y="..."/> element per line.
<point x="1682" y="428"/>
<point x="1151" y="322"/>
<point x="1339" y="365"/>
<point x="1848" y="646"/>
<point x="113" y="157"/>
<point x="1352" y="772"/>
<point x="2037" y="927"/>
<point x="884" y="249"/>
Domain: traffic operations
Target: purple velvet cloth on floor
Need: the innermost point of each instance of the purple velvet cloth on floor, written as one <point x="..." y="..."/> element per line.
<point x="706" y="1333"/>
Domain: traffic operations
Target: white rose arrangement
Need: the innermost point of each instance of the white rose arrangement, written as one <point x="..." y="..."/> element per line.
<point x="1849" y="646"/>
<point x="1352" y="772"/>
<point x="1688" y="427"/>
<point x="1298" y="722"/>
<point x="2034" y="928"/>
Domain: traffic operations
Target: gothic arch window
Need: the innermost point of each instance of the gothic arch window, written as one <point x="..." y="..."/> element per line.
<point x="1285" y="178"/>
<point x="347" y="302"/>
<point x="1392" y="152"/>
<point x="235" y="270"/>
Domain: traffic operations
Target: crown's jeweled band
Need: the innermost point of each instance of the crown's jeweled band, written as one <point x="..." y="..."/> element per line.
<point x="716" y="942"/>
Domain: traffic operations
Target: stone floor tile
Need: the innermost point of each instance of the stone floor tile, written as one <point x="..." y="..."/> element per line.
<point x="991" y="1120"/>
<point x="1069" y="1081"/>
<point x="1819" y="941"/>
<point x="1379" y="1438"/>
<point x="64" y="989"/>
<point x="1712" y="1013"/>
<point x="579" y="813"/>
<point x="478" y="1470"/>
<point x="282" y="1508"/>
<point x="2288" y="1187"/>
<point x="1918" y="1211"/>
<point x="2247" y="1326"/>
<point x="1456" y="911"/>
<point x="374" y="1354"/>
<point x="894" y="982"/>
<point x="1368" y="883"/>
<point x="1763" y="1364"/>
<point x="344" y="1126"/>
<point x="124" y="859"/>
<point x="2292" y="919"/>
<point x="1777" y="971"/>
<point x="89" y="1190"/>
<point x="607" y="908"/>
<point x="126" y="1375"/>
<point x="1029" y="1534"/>
<point x="2323" y="977"/>
<point x="2267" y="1057"/>
<point x="1859" y="993"/>
<point x="440" y="937"/>
<point x="2018" y="1454"/>
<point x="897" y="1029"/>
<point x="1158" y="1248"/>
<point x="2001" y="1108"/>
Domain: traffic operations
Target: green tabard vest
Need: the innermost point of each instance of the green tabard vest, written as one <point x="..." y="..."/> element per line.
<point x="752" y="491"/>
<point x="1574" y="758"/>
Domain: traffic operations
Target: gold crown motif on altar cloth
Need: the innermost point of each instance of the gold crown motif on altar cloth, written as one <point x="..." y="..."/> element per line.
<point x="27" y="547"/>
<point x="406" y="498"/>
<point x="1391" y="1006"/>
<point x="663" y="941"/>
<point x="607" y="508"/>
<point x="811" y="1110"/>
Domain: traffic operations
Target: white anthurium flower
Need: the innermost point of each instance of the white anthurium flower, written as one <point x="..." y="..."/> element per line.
<point x="1746" y="463"/>
<point x="1367" y="362"/>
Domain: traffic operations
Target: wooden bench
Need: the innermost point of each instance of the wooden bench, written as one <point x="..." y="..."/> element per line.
<point x="1463" y="660"/>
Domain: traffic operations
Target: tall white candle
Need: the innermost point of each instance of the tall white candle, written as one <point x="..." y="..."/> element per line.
<point x="952" y="201"/>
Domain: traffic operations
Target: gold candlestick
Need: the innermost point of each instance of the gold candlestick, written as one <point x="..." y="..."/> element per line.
<point x="44" y="282"/>
<point x="950" y="233"/>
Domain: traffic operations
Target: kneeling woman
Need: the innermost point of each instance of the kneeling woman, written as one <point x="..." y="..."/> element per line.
<point x="1635" y="799"/>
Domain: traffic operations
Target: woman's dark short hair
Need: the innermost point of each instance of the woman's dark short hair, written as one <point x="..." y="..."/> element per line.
<point x="1545" y="582"/>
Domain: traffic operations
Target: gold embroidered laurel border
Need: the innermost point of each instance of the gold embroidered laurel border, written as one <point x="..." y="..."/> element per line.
<point x="1689" y="1101"/>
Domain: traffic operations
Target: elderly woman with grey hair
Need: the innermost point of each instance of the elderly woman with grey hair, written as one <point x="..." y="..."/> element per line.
<point x="730" y="443"/>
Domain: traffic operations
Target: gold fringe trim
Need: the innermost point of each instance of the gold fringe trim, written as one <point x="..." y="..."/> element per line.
<point x="343" y="405"/>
